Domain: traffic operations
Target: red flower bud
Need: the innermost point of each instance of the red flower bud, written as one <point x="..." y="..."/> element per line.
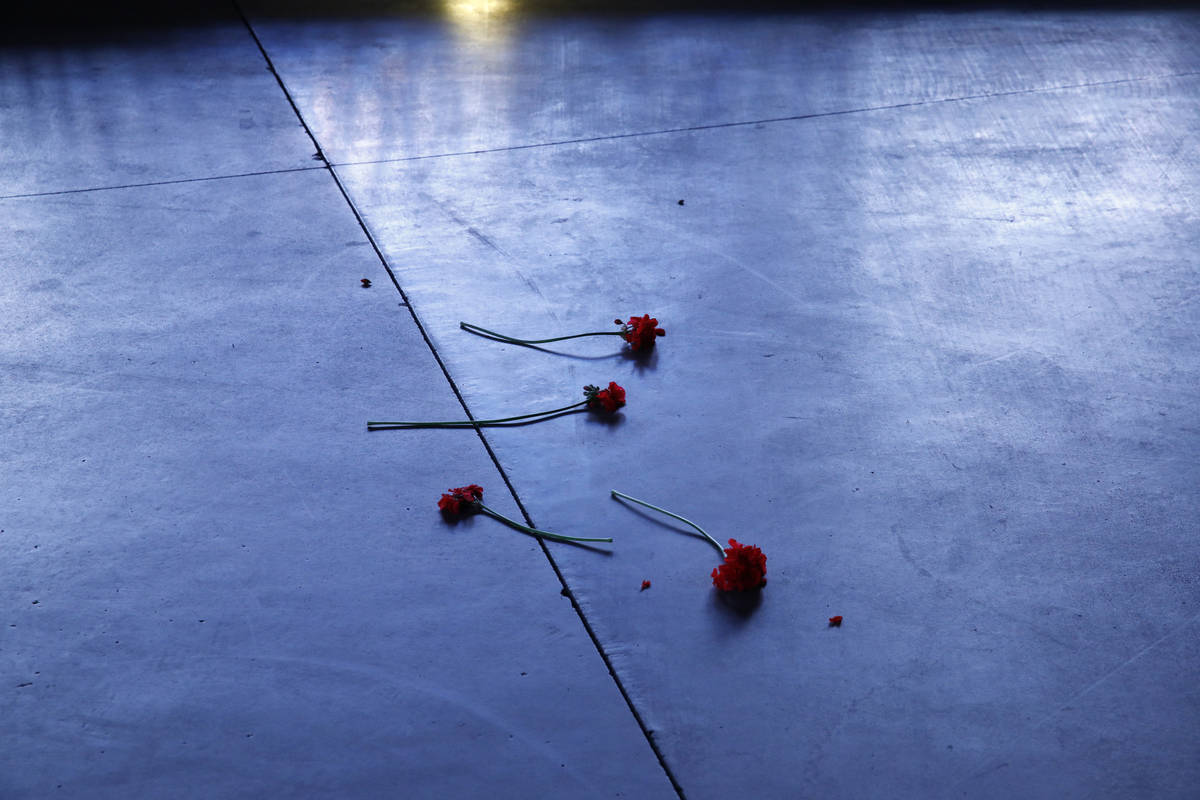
<point x="745" y="568"/>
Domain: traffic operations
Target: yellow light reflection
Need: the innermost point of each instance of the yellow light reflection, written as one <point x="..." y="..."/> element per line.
<point x="484" y="23"/>
<point x="462" y="10"/>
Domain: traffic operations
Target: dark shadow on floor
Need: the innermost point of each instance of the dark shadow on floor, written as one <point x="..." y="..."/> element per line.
<point x="80" y="24"/>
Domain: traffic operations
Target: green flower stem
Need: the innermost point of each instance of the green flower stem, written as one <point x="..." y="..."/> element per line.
<point x="466" y="423"/>
<point x="466" y="326"/>
<point x="703" y="532"/>
<point x="535" y="531"/>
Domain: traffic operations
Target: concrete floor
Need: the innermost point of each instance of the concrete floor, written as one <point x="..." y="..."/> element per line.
<point x="930" y="286"/>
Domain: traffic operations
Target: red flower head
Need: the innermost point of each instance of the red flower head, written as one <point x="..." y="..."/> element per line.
<point x="463" y="500"/>
<point x="745" y="568"/>
<point x="609" y="399"/>
<point x="640" y="332"/>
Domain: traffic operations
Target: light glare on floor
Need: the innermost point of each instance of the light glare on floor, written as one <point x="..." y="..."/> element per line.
<point x="466" y="11"/>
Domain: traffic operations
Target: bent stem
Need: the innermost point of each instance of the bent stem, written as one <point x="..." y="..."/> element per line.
<point x="703" y="532"/>
<point x="535" y="531"/>
<point x="467" y="423"/>
<point x="466" y="326"/>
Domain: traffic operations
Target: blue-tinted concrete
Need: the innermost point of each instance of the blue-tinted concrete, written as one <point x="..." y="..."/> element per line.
<point x="934" y="361"/>
<point x="931" y="343"/>
<point x="139" y="105"/>
<point x="494" y="73"/>
<point x="215" y="583"/>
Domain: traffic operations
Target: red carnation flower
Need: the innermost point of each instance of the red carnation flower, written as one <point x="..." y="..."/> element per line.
<point x="463" y="500"/>
<point x="609" y="399"/>
<point x="641" y="331"/>
<point x="745" y="568"/>
<point x="835" y="622"/>
<point x="645" y="585"/>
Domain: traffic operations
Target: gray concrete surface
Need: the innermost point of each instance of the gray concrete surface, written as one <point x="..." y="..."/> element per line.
<point x="931" y="310"/>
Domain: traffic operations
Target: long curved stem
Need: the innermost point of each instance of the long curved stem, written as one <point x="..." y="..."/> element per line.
<point x="466" y="326"/>
<point x="703" y="532"/>
<point x="535" y="531"/>
<point x="466" y="423"/>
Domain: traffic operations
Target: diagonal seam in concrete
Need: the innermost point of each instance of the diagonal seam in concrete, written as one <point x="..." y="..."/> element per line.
<point x="462" y="401"/>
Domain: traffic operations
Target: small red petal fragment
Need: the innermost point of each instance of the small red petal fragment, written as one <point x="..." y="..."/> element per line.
<point x="835" y="622"/>
<point x="366" y="282"/>
<point x="645" y="585"/>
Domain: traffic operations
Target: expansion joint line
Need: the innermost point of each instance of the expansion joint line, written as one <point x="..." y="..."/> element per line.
<point x="566" y="590"/>
<point x="770" y="120"/>
<point x="168" y="182"/>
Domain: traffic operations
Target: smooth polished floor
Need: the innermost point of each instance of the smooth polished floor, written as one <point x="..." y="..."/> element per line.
<point x="931" y="287"/>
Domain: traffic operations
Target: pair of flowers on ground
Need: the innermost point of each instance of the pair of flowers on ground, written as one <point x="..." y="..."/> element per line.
<point x="744" y="567"/>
